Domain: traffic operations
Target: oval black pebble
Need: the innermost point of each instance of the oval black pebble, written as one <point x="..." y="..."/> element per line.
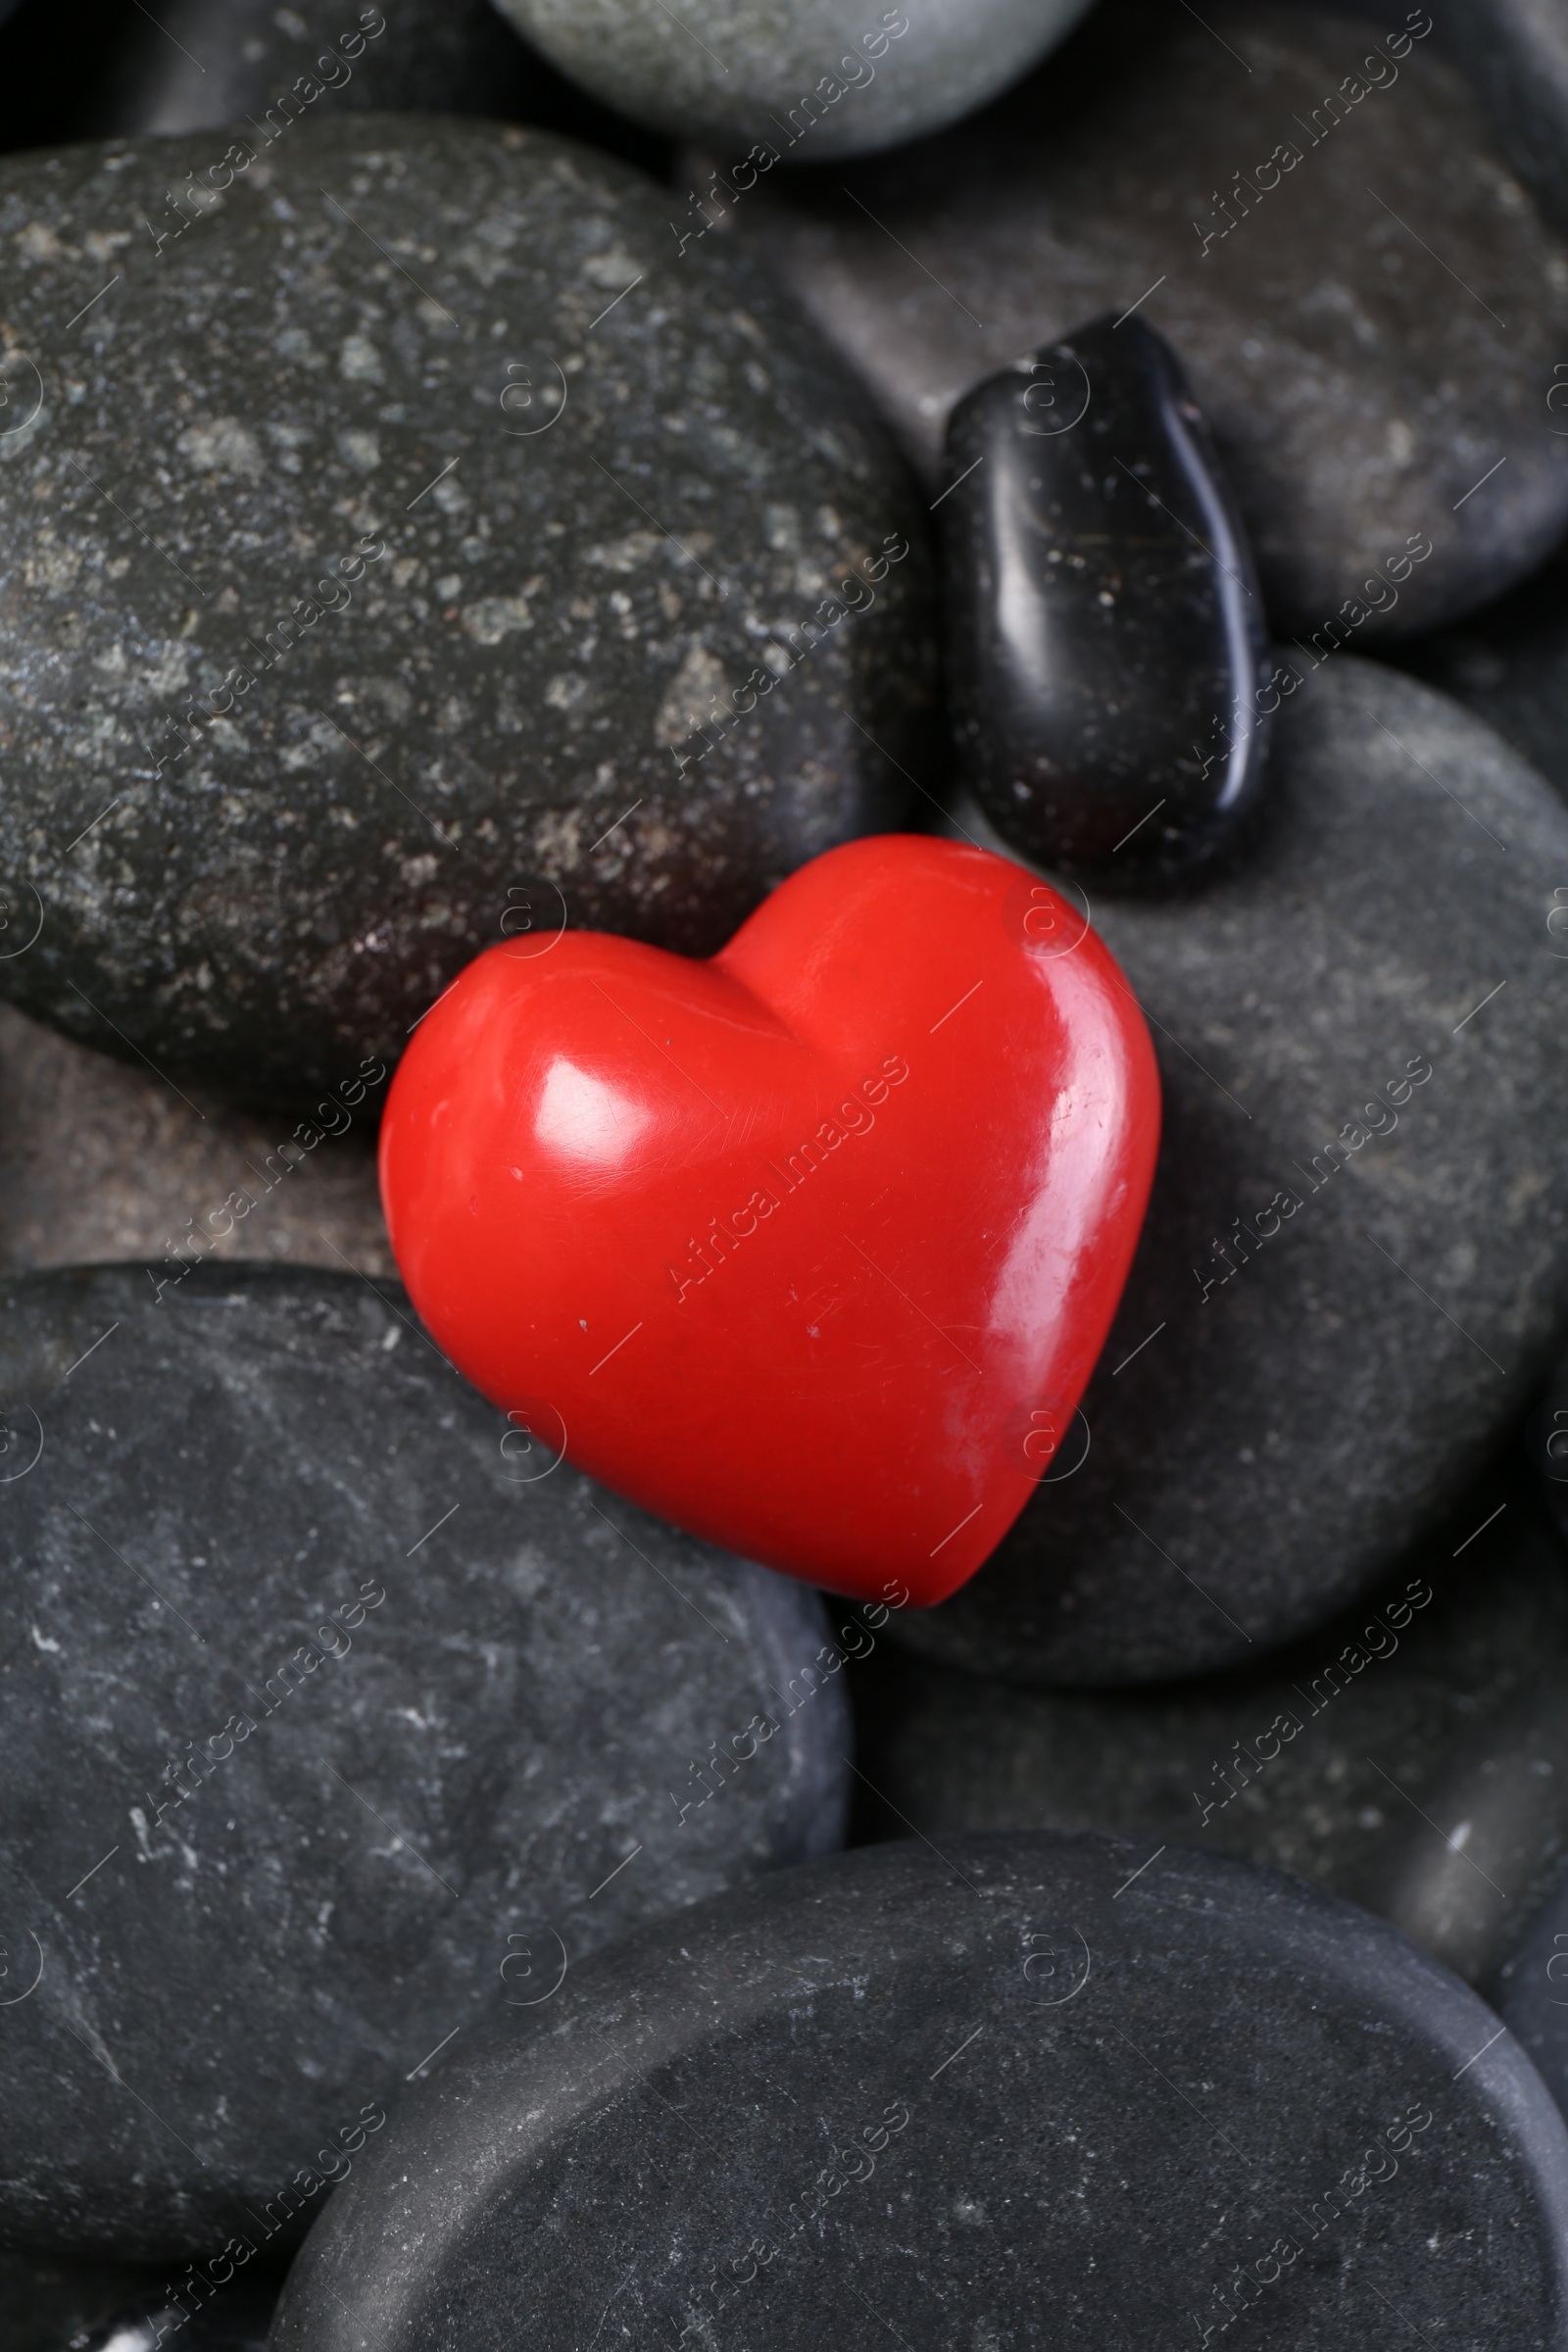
<point x="1106" y="637"/>
<point x="328" y="1722"/>
<point x="1411" y="1757"/>
<point x="475" y="576"/>
<point x="1038" y="2091"/>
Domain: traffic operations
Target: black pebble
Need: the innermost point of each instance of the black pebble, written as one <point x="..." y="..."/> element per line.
<point x="1037" y="2090"/>
<point x="1105" y="634"/>
<point x="334" y="1711"/>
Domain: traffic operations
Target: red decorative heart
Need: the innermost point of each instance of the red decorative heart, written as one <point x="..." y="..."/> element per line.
<point x="810" y="1248"/>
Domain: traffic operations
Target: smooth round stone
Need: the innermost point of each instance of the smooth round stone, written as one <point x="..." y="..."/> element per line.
<point x="102" y="1161"/>
<point x="1105" y="642"/>
<point x="1355" y="1269"/>
<point x="805" y="79"/>
<point x="1411" y="1757"/>
<point x="464" y="518"/>
<point x="1509" y="664"/>
<point x="1357" y="394"/>
<point x="1515" y="53"/>
<point x="956" y="2093"/>
<point x="334" y="1711"/>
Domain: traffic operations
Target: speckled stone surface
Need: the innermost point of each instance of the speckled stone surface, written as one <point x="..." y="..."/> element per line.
<point x="1355" y="391"/>
<point x="1411" y="1757"/>
<point x="441" y="1725"/>
<point x="1510" y="662"/>
<point x="103" y="1160"/>
<point x="1515" y="53"/>
<point x="943" y="2097"/>
<point x="1352" y="1277"/>
<point x="427" y="465"/>
<point x="810" y="78"/>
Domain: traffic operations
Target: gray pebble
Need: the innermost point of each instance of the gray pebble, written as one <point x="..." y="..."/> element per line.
<point x="1359" y="396"/>
<point x="1411" y="1757"/>
<point x="1355" y="1269"/>
<point x="333" y="1714"/>
<point x="391" y="546"/>
<point x="1013" y="2093"/>
<point x="806" y="78"/>
<point x="103" y="1160"/>
<point x="1509" y="664"/>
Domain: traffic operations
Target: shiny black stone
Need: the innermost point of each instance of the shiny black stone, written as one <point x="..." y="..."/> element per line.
<point x="1106" y="634"/>
<point x="1030" y="2094"/>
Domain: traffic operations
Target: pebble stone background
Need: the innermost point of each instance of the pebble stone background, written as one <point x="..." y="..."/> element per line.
<point x="438" y="1903"/>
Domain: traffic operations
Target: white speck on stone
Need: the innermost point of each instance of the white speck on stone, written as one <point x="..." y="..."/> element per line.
<point x="493" y="616"/>
<point x="225" y="447"/>
<point x="698" y="681"/>
<point x="43" y="1641"/>
<point x="360" y="361"/>
<point x="359" y="448"/>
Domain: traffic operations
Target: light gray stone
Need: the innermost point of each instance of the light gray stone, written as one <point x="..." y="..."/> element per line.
<point x="103" y="1160"/>
<point x="1369" y="338"/>
<point x="838" y="80"/>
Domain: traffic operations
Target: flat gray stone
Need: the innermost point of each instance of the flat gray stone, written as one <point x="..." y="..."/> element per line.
<point x="1357" y="393"/>
<point x="103" y="1160"/>
<point x="333" y="1712"/>
<point x="1411" y="1757"/>
<point x="808" y="79"/>
<point x="1262" y="1449"/>
<point x="463" y="520"/>
<point x="996" y="2097"/>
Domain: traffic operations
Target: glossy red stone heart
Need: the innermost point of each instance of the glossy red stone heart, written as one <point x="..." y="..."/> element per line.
<point x="810" y="1248"/>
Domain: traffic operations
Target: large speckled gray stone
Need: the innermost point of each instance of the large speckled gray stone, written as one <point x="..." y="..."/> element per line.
<point x="1411" y="1757"/>
<point x="1260" y="1450"/>
<point x="1510" y="664"/>
<point x="352" y="371"/>
<point x="103" y="1160"/>
<point x="810" y="78"/>
<point x="998" y="2095"/>
<point x="503" y="1748"/>
<point x="1356" y="392"/>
